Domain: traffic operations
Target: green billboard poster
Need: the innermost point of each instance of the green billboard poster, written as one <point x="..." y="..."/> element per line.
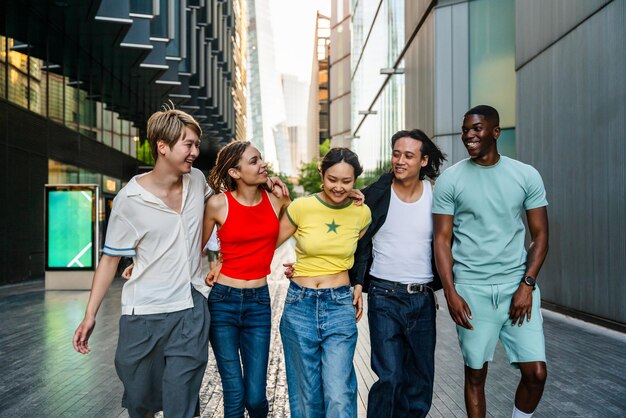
<point x="70" y="227"/>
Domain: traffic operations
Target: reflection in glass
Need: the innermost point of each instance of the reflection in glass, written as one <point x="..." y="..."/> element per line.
<point x="506" y="143"/>
<point x="492" y="56"/>
<point x="384" y="45"/>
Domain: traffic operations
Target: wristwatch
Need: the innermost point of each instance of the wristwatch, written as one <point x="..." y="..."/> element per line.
<point x="529" y="281"/>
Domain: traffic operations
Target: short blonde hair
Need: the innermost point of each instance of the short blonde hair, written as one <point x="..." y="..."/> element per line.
<point x="167" y="126"/>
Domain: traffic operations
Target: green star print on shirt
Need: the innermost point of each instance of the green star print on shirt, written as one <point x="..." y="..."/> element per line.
<point x="332" y="227"/>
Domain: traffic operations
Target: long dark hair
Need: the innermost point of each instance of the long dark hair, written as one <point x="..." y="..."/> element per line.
<point x="435" y="156"/>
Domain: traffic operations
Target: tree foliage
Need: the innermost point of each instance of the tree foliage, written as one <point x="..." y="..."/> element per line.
<point x="324" y="147"/>
<point x="284" y="179"/>
<point x="371" y="176"/>
<point x="309" y="176"/>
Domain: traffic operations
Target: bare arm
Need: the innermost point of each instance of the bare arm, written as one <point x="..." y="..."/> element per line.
<point x="286" y="230"/>
<point x="458" y="308"/>
<point x="213" y="214"/>
<point x="280" y="203"/>
<point x="102" y="279"/>
<point x="538" y="249"/>
<point x="522" y="302"/>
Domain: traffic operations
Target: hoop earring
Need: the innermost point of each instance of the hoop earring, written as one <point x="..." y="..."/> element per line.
<point x="322" y="186"/>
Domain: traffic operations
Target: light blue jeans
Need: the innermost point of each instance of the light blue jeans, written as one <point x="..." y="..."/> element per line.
<point x="319" y="334"/>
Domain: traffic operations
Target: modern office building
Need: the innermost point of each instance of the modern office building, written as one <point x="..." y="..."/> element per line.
<point x="556" y="71"/>
<point x="296" y="99"/>
<point x="339" y="74"/>
<point x="266" y="105"/>
<point x="319" y="100"/>
<point x="78" y="81"/>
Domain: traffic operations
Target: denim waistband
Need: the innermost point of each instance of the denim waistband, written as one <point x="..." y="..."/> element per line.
<point x="238" y="291"/>
<point x="404" y="288"/>
<point x="311" y="292"/>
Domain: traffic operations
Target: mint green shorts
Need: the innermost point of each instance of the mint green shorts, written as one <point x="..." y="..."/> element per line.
<point x="490" y="311"/>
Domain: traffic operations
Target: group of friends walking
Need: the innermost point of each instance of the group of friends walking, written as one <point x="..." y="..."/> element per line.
<point x="399" y="239"/>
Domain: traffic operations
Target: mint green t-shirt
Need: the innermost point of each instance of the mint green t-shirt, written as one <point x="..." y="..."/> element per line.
<point x="488" y="205"/>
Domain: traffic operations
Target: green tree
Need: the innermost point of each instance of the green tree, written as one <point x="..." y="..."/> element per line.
<point x="325" y="147"/>
<point x="144" y="153"/>
<point x="371" y="176"/>
<point x="309" y="176"/>
<point x="285" y="180"/>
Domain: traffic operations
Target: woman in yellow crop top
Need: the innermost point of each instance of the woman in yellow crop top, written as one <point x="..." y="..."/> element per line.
<point x="318" y="326"/>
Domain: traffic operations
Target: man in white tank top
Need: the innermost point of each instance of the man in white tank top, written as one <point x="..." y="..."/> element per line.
<point x="394" y="264"/>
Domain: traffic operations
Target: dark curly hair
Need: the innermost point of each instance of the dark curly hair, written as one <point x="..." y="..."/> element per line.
<point x="435" y="156"/>
<point x="227" y="158"/>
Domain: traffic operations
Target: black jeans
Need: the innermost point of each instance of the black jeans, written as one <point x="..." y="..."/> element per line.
<point x="403" y="338"/>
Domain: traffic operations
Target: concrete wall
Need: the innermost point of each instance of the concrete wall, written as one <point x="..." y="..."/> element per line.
<point x="420" y="67"/>
<point x="571" y="113"/>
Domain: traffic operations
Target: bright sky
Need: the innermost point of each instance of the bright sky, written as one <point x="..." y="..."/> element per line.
<point x="293" y="23"/>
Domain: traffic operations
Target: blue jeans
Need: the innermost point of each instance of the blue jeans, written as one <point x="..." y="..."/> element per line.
<point x="241" y="326"/>
<point x="403" y="337"/>
<point x="319" y="334"/>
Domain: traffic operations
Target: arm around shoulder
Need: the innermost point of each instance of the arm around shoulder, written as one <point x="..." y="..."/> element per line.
<point x="287" y="226"/>
<point x="280" y="203"/>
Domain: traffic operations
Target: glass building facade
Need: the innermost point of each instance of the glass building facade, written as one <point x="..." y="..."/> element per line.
<point x="25" y="82"/>
<point x="492" y="63"/>
<point x="411" y="68"/>
<point x="378" y="105"/>
<point x="555" y="72"/>
<point x="78" y="81"/>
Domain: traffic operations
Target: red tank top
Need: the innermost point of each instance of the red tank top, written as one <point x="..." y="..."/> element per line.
<point x="248" y="238"/>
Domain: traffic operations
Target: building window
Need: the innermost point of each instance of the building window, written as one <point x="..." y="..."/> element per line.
<point x="492" y="56"/>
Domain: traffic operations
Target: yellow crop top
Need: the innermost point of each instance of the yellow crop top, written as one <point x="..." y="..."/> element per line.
<point x="326" y="235"/>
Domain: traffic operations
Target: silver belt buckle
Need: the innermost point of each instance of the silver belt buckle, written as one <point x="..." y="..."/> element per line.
<point x="413" y="288"/>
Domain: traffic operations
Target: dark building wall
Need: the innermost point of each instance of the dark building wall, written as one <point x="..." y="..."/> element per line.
<point x="571" y="84"/>
<point x="27" y="141"/>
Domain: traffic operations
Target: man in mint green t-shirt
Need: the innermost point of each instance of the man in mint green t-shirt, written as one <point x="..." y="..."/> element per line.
<point x="488" y="276"/>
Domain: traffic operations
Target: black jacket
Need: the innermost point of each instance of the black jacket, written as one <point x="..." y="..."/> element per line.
<point x="377" y="197"/>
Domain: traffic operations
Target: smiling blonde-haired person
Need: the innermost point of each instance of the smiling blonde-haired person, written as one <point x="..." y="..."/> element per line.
<point x="156" y="218"/>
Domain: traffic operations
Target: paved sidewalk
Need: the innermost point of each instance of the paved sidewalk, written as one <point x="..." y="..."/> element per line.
<point x="41" y="375"/>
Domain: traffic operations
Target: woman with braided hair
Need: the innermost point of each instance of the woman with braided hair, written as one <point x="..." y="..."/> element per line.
<point x="247" y="217"/>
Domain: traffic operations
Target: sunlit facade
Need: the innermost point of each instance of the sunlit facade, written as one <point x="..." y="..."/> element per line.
<point x="339" y="74"/>
<point x="377" y="100"/>
<point x="267" y="115"/>
<point x="240" y="76"/>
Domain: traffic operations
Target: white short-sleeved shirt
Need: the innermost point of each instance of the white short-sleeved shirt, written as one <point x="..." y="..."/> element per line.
<point x="165" y="245"/>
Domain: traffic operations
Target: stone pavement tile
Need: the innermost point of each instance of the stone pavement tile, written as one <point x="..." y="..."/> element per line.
<point x="41" y="375"/>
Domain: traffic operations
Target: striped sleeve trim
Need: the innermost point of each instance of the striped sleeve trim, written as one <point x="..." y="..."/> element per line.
<point x="119" y="252"/>
<point x="290" y="219"/>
